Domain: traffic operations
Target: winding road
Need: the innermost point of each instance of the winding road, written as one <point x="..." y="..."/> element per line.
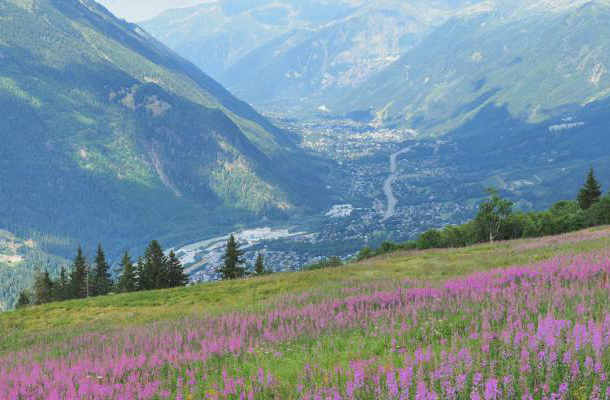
<point x="387" y="185"/>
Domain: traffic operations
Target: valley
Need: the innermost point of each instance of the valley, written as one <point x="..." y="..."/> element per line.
<point x="312" y="199"/>
<point x="363" y="132"/>
<point x="395" y="184"/>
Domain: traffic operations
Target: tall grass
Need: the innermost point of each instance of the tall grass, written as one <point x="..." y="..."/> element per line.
<point x="539" y="330"/>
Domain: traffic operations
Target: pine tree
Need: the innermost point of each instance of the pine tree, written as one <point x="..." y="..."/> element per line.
<point x="175" y="272"/>
<point x="25" y="299"/>
<point x="155" y="267"/>
<point x="43" y="288"/>
<point x="590" y="193"/>
<point x="233" y="260"/>
<point x="259" y="265"/>
<point x="102" y="282"/>
<point x="128" y="280"/>
<point x="79" y="276"/>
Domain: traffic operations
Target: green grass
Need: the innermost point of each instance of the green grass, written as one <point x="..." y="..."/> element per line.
<point x="56" y="321"/>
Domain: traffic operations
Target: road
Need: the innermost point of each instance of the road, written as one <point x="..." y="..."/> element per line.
<point x="387" y="185"/>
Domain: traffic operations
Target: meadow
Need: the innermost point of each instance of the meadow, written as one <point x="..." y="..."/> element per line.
<point x="522" y="319"/>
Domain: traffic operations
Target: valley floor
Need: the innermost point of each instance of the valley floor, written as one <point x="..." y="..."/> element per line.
<point x="522" y="318"/>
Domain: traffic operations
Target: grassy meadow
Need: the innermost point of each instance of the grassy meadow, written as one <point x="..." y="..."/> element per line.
<point x="491" y="320"/>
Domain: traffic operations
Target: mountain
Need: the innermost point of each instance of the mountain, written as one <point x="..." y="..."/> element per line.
<point x="218" y="34"/>
<point x="109" y="136"/>
<point x="540" y="60"/>
<point x="297" y="53"/>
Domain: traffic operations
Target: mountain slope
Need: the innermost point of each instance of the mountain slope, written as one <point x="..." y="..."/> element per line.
<point x="300" y="49"/>
<point x="107" y="135"/>
<point x="546" y="58"/>
<point x="218" y="34"/>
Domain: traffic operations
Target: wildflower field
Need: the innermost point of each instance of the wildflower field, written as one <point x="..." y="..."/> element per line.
<point x="514" y="320"/>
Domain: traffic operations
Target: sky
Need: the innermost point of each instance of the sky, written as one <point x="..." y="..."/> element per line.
<point x="141" y="10"/>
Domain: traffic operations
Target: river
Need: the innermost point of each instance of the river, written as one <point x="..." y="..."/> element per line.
<point x="387" y="184"/>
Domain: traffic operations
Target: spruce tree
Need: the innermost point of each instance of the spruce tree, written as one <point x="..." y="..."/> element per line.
<point x="259" y="265"/>
<point x="61" y="286"/>
<point x="25" y="299"/>
<point x="175" y="272"/>
<point x="155" y="267"/>
<point x="128" y="280"/>
<point x="43" y="288"/>
<point x="79" y="276"/>
<point x="590" y="193"/>
<point x="140" y="275"/>
<point x="102" y="282"/>
<point x="233" y="261"/>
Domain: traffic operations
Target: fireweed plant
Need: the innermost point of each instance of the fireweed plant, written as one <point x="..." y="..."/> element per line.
<point x="539" y="331"/>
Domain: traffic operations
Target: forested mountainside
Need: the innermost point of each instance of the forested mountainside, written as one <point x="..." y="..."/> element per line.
<point x="107" y="132"/>
<point x="545" y="60"/>
<point x="19" y="259"/>
<point x="297" y="53"/>
<point x="107" y="135"/>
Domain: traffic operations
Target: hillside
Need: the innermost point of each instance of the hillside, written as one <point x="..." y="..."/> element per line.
<point x="102" y="124"/>
<point x="539" y="62"/>
<point x="297" y="330"/>
<point x="18" y="261"/>
<point x="296" y="55"/>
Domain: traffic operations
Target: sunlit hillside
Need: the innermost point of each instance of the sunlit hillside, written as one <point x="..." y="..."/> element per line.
<point x="493" y="320"/>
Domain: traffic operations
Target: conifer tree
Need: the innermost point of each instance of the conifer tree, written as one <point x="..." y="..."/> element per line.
<point x="102" y="282"/>
<point x="89" y="281"/>
<point x="61" y="286"/>
<point x="128" y="280"/>
<point x="155" y="267"/>
<point x="25" y="299"/>
<point x="43" y="288"/>
<point x="175" y="272"/>
<point x="259" y="265"/>
<point x="79" y="276"/>
<point x="590" y="193"/>
<point x="140" y="275"/>
<point x="233" y="261"/>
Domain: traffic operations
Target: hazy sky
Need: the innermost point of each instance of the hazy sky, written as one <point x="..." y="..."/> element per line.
<point x="140" y="10"/>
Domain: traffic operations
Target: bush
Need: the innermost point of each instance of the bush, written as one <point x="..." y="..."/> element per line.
<point x="599" y="213"/>
<point x="452" y="236"/>
<point x="365" y="253"/>
<point x="331" y="262"/>
<point x="429" y="240"/>
<point x="387" y="247"/>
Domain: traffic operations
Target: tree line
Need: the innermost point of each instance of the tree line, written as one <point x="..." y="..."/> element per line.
<point x="496" y="220"/>
<point x="154" y="270"/>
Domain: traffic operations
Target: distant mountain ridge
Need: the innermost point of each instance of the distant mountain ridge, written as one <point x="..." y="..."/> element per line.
<point x="351" y="56"/>
<point x="542" y="61"/>
<point x="278" y="52"/>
